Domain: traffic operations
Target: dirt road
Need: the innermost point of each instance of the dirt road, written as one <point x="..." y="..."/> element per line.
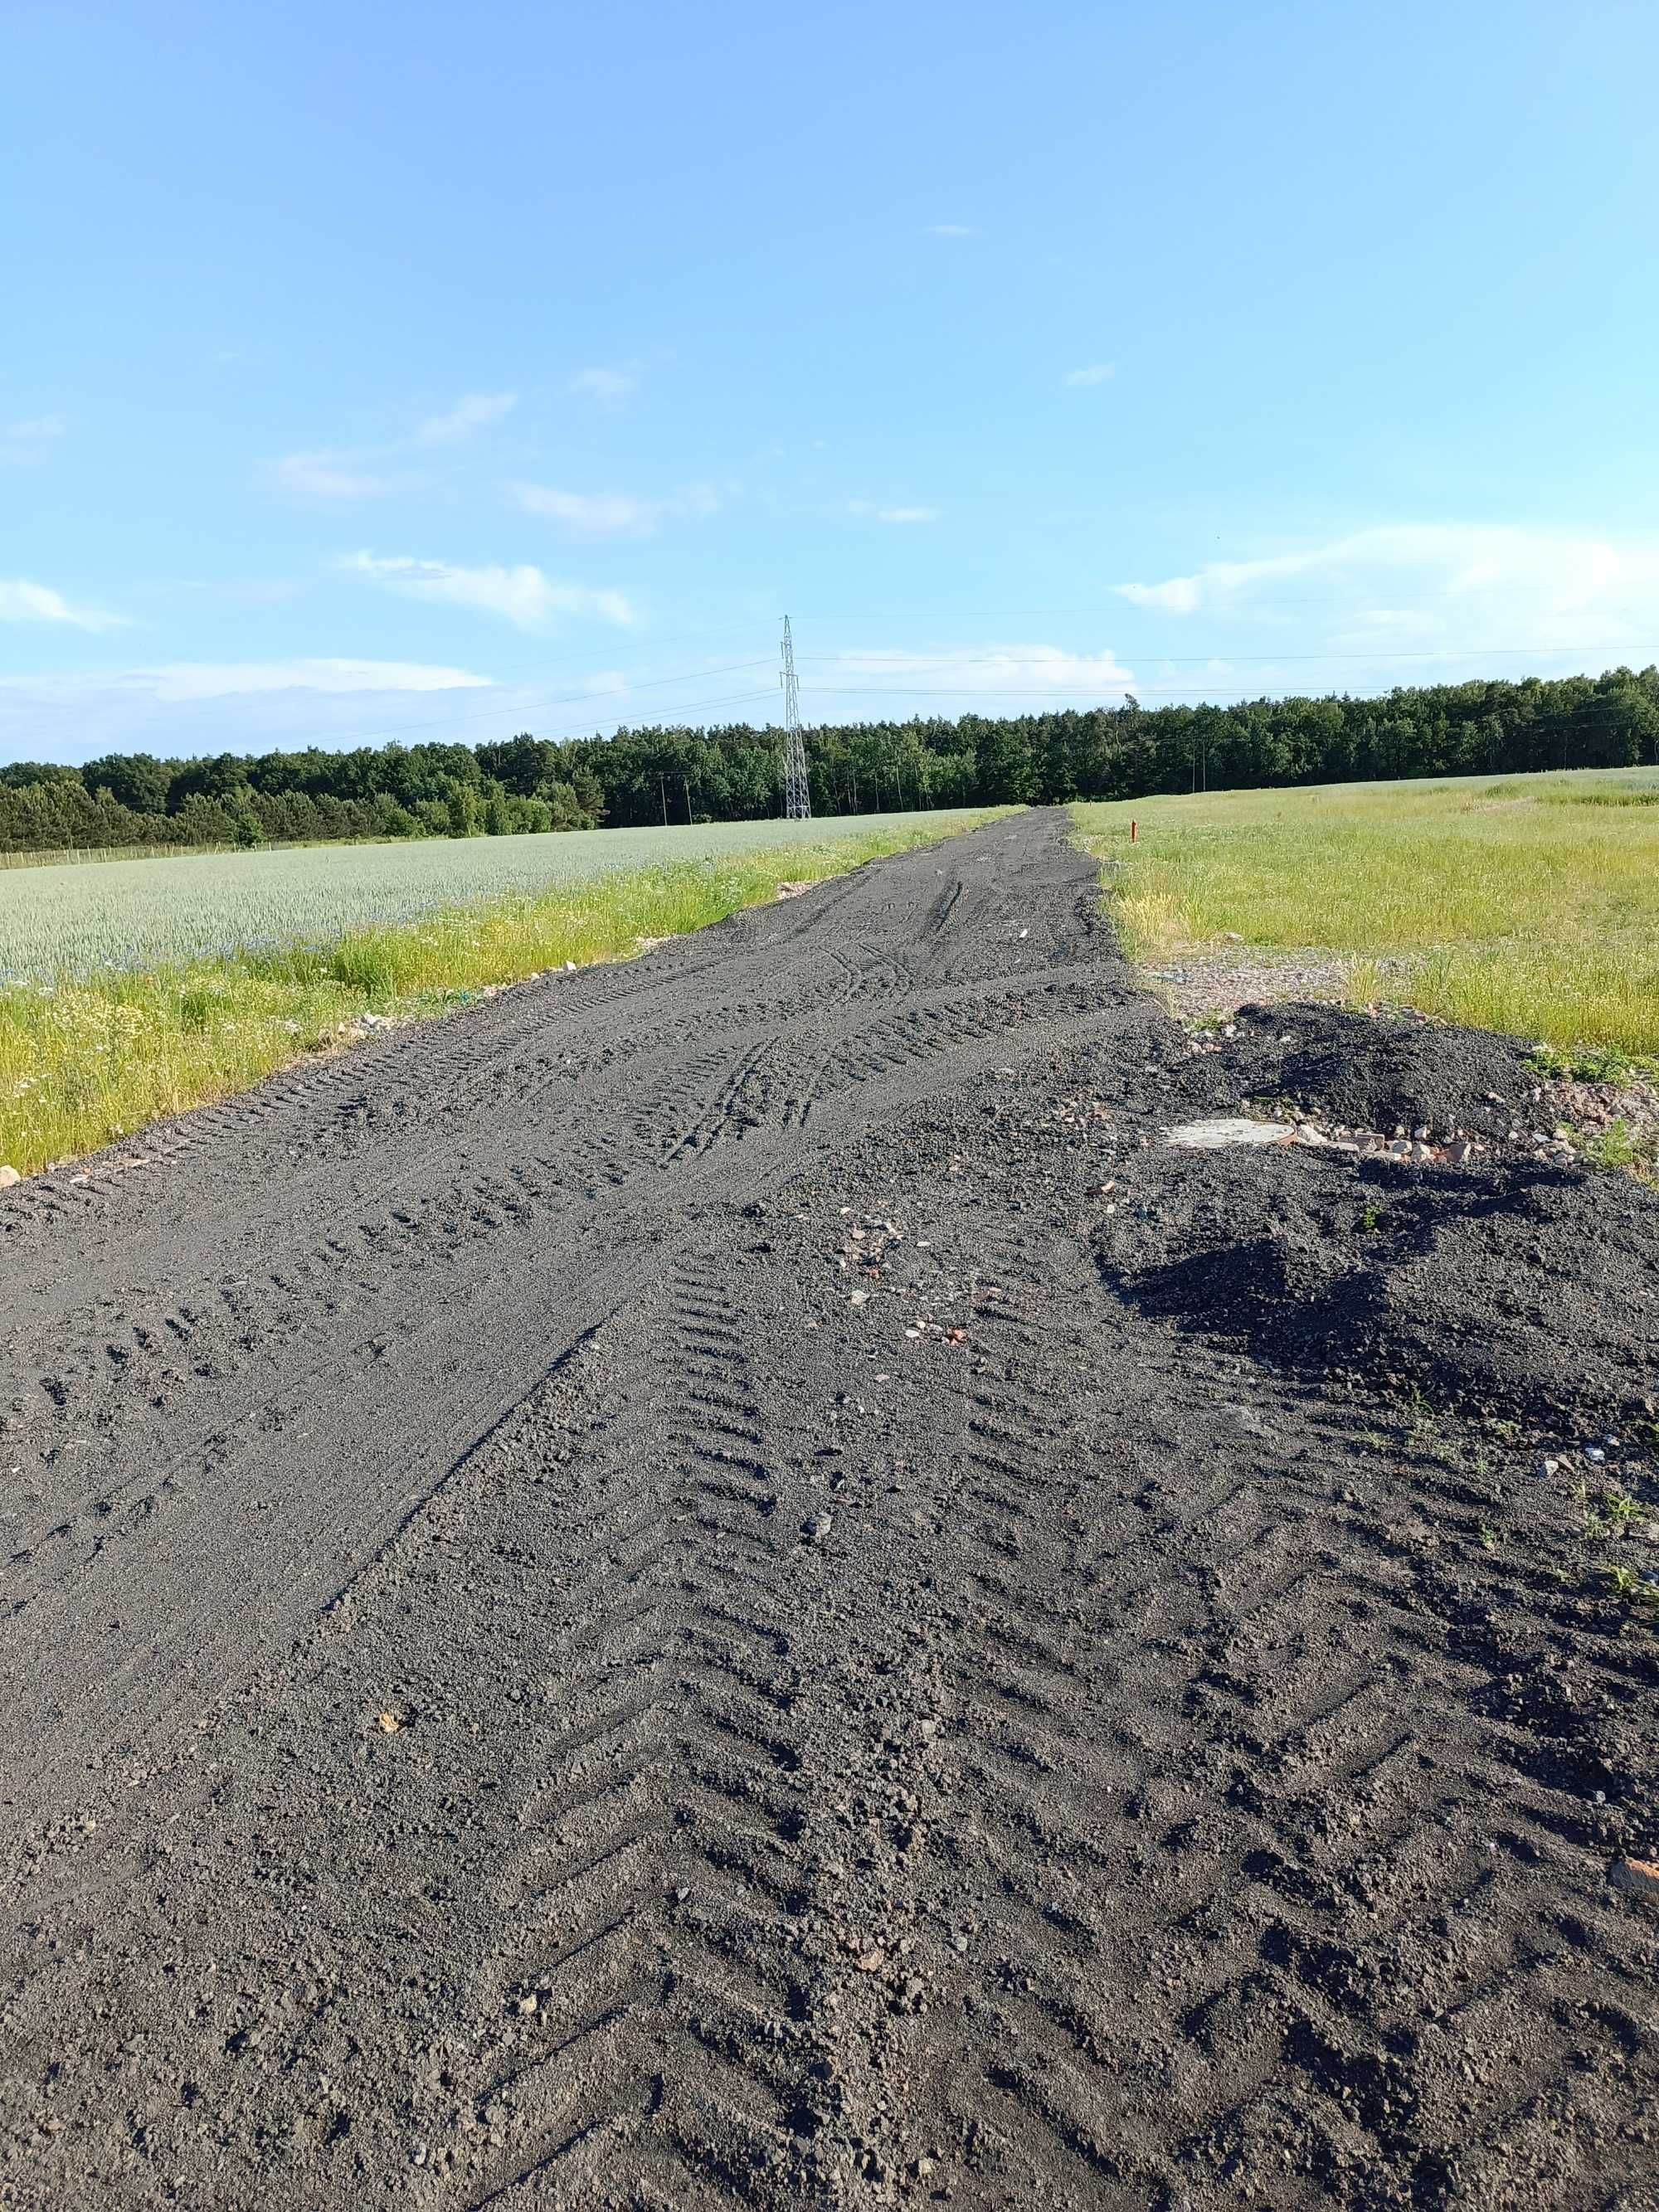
<point x="720" y="1581"/>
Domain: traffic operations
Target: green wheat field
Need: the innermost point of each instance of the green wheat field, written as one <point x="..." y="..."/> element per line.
<point x="134" y="990"/>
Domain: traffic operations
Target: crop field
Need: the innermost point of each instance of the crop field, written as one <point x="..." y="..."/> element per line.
<point x="1525" y="904"/>
<point x="70" y="920"/>
<point x="137" y="992"/>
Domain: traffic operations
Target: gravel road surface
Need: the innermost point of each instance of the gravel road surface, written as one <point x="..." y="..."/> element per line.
<point x="722" y="1582"/>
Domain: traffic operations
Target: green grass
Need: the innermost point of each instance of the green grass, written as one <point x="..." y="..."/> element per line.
<point x="93" y="1053"/>
<point x="1527" y="904"/>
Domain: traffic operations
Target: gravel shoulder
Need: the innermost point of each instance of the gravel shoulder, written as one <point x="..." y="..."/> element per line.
<point x="724" y="1582"/>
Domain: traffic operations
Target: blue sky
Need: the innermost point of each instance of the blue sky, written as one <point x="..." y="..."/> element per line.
<point x="438" y="372"/>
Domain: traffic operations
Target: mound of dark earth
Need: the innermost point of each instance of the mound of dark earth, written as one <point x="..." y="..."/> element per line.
<point x="721" y="1583"/>
<point x="1530" y="1287"/>
<point x="1383" y="1072"/>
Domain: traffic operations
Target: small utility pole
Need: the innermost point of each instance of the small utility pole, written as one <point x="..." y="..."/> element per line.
<point x="662" y="794"/>
<point x="796" y="792"/>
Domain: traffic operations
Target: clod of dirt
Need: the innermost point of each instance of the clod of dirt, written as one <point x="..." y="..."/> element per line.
<point x="1637" y="1877"/>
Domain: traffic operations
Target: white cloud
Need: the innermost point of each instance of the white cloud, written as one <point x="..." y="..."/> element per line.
<point x="613" y="514"/>
<point x="21" y="601"/>
<point x="870" y="511"/>
<point x="1083" y="379"/>
<point x="522" y="595"/>
<point x="605" y="383"/>
<point x="1428" y="587"/>
<point x="331" y="475"/>
<point x="25" y="442"/>
<point x="187" y="680"/>
<point x="950" y="230"/>
<point x="476" y="411"/>
<point x="1004" y="673"/>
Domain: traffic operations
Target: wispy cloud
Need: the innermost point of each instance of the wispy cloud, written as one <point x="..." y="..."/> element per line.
<point x="1083" y="379"/>
<point x="338" y="475"/>
<point x="1009" y="672"/>
<point x="333" y="476"/>
<point x="186" y="680"/>
<point x="869" y="510"/>
<point x="21" y="601"/>
<point x="950" y="230"/>
<point x="24" y="443"/>
<point x="1436" y="586"/>
<point x="613" y="514"/>
<point x="179" y="707"/>
<point x="520" y="595"/>
<point x="605" y="383"/>
<point x="477" y="410"/>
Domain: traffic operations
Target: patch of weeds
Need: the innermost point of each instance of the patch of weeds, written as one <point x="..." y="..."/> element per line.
<point x="1370" y="1220"/>
<point x="1607" y="1512"/>
<point x="1585" y="1063"/>
<point x="1488" y="1537"/>
<point x="1618" y="1145"/>
<point x="1621" y="1508"/>
<point x="1639" y="1592"/>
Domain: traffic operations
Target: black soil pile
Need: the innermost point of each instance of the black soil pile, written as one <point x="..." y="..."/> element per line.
<point x="1529" y="1288"/>
<point x="1383" y="1072"/>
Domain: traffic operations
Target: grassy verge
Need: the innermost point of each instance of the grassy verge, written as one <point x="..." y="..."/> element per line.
<point x="1527" y="904"/>
<point x="86" y="1059"/>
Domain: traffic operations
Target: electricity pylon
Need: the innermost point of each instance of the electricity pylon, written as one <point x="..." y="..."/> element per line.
<point x="797" y="792"/>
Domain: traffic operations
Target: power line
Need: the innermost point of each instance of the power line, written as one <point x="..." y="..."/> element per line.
<point x="483" y="713"/>
<point x="694" y="705"/>
<point x="1062" y="691"/>
<point x="877" y="657"/>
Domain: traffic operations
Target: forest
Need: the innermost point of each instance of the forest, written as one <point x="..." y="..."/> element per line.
<point x="734" y="773"/>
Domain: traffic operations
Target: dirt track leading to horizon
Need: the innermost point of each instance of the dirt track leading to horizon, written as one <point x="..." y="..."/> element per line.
<point x="719" y="1582"/>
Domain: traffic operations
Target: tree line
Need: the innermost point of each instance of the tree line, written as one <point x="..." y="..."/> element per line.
<point x="734" y="773"/>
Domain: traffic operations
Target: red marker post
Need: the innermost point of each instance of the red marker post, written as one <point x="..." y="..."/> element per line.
<point x="1132" y="829"/>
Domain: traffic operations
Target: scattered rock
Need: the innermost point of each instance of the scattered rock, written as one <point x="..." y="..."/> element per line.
<point x="387" y="1723"/>
<point x="1636" y="1877"/>
<point x="818" y="1527"/>
<point x="8" y="1177"/>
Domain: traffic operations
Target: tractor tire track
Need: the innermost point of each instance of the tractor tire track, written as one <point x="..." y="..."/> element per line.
<point x="605" y="1603"/>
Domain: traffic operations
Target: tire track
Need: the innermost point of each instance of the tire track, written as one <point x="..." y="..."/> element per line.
<point x="608" y="1609"/>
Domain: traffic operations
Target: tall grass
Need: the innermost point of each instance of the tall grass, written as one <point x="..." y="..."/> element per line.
<point x="87" y="1058"/>
<point x="1527" y="904"/>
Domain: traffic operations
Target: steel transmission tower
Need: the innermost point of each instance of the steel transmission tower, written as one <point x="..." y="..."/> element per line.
<point x="797" y="792"/>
